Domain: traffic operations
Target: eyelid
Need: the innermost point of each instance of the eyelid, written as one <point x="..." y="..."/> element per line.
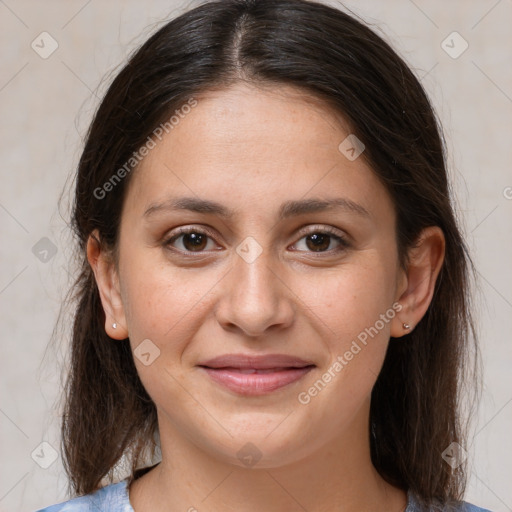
<point x="320" y="228"/>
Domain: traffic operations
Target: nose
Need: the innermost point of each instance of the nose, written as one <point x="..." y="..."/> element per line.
<point x="255" y="298"/>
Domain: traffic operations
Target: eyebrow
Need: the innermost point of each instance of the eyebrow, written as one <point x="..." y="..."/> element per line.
<point x="288" y="209"/>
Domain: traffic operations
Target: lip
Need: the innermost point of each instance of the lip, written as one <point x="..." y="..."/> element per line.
<point x="256" y="375"/>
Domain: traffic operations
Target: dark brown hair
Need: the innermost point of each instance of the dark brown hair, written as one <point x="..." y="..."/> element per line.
<point x="329" y="54"/>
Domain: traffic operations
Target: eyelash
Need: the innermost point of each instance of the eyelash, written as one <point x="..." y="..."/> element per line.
<point x="343" y="242"/>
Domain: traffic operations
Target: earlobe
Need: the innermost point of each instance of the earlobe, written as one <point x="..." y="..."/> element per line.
<point x="425" y="260"/>
<point x="108" y="287"/>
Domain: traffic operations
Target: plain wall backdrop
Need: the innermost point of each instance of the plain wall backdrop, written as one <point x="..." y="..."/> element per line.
<point x="55" y="56"/>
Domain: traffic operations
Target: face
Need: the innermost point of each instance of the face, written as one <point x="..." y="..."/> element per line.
<point x="266" y="270"/>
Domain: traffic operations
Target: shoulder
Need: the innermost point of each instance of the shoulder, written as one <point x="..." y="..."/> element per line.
<point x="468" y="507"/>
<point x="112" y="498"/>
<point x="415" y="505"/>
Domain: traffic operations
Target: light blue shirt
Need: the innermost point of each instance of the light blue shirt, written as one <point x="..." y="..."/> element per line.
<point x="114" y="498"/>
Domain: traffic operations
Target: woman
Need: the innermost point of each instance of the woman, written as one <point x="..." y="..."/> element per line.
<point x="273" y="310"/>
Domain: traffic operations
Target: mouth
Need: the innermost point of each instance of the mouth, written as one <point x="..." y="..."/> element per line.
<point x="256" y="375"/>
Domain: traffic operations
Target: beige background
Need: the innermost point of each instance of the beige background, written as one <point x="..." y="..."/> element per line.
<point x="45" y="107"/>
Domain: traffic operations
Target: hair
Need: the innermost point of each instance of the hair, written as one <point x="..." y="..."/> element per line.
<point x="415" y="411"/>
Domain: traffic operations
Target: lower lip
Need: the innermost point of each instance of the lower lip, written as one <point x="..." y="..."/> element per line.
<point x="253" y="384"/>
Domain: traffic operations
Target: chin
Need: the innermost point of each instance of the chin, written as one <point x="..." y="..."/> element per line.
<point x="260" y="447"/>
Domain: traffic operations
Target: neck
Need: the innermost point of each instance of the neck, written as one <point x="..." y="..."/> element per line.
<point x="338" y="475"/>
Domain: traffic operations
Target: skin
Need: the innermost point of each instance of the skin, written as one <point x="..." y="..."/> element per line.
<point x="252" y="149"/>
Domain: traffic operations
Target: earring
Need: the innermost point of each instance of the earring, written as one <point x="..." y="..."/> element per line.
<point x="406" y="326"/>
<point x="114" y="326"/>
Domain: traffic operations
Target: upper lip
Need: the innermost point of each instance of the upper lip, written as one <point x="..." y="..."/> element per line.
<point x="244" y="361"/>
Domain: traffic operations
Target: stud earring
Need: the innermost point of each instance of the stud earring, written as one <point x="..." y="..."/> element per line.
<point x="114" y="326"/>
<point x="406" y="326"/>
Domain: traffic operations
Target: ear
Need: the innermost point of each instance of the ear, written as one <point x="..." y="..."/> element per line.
<point x="425" y="260"/>
<point x="108" y="286"/>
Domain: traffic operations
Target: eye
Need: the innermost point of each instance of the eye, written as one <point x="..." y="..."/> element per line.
<point x="193" y="240"/>
<point x="319" y="240"/>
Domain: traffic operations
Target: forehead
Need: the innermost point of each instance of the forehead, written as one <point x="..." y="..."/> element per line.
<point x="249" y="145"/>
<point x="260" y="119"/>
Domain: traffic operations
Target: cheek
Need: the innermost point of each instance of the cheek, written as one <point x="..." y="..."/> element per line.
<point x="164" y="303"/>
<point x="165" y="306"/>
<point x="352" y="298"/>
<point x="355" y="309"/>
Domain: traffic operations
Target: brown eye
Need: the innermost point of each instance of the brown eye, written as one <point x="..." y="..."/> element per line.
<point x="192" y="240"/>
<point x="318" y="242"/>
<point x="321" y="241"/>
